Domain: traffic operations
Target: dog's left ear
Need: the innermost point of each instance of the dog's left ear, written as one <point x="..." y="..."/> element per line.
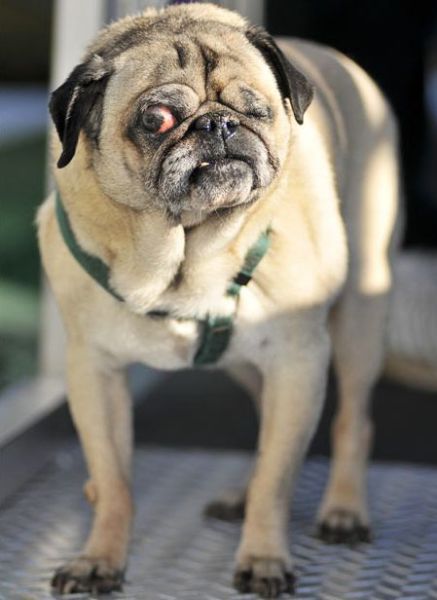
<point x="72" y="105"/>
<point x="292" y="83"/>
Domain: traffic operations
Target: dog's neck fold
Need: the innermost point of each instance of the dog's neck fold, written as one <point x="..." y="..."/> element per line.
<point x="146" y="251"/>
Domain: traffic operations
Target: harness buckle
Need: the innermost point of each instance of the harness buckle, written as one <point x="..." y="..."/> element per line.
<point x="217" y="333"/>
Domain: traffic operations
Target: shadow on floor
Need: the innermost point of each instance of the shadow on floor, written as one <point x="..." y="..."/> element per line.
<point x="206" y="409"/>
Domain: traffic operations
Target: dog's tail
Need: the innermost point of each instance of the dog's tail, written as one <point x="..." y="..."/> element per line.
<point x="412" y="332"/>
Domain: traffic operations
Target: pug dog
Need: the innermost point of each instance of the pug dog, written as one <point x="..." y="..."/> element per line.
<point x="224" y="200"/>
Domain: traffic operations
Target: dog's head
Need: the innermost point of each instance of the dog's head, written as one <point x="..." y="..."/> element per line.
<point x="189" y="109"/>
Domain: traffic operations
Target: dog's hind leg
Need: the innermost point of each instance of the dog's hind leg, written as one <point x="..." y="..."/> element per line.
<point x="101" y="410"/>
<point x="358" y="329"/>
<point x="230" y="505"/>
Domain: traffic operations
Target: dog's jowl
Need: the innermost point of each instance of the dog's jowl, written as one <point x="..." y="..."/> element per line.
<point x="224" y="199"/>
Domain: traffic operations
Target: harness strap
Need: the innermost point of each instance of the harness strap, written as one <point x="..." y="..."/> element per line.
<point x="94" y="266"/>
<point x="254" y="256"/>
<point x="216" y="335"/>
<point x="217" y="330"/>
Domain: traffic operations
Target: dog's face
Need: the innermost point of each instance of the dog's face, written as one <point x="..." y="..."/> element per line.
<point x="189" y="110"/>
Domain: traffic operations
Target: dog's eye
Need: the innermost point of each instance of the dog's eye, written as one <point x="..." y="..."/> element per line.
<point x="264" y="113"/>
<point x="158" y="119"/>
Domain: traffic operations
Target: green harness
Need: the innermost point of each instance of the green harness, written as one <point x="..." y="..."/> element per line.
<point x="217" y="330"/>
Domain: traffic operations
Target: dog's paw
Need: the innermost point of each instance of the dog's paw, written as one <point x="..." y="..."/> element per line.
<point x="229" y="507"/>
<point x="86" y="574"/>
<point x="342" y="526"/>
<point x="266" y="577"/>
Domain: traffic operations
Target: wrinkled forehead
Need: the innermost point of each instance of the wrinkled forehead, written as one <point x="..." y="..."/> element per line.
<point x="203" y="56"/>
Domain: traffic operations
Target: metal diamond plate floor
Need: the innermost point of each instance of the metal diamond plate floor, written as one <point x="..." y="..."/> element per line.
<point x="178" y="555"/>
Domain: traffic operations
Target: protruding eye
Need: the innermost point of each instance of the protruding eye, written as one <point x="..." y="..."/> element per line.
<point x="158" y="119"/>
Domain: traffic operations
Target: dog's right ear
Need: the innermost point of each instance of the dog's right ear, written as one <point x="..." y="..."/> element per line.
<point x="73" y="103"/>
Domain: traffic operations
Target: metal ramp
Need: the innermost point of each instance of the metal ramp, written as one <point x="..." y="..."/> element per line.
<point x="176" y="554"/>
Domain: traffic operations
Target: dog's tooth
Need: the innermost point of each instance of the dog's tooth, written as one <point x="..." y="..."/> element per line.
<point x="204" y="164"/>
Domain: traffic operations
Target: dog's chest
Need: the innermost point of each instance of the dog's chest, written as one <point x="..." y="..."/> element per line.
<point x="161" y="343"/>
<point x="172" y="339"/>
<point x="171" y="343"/>
<point x="192" y="321"/>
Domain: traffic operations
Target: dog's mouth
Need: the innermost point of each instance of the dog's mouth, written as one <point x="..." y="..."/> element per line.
<point x="200" y="170"/>
<point x="219" y="171"/>
<point x="202" y="178"/>
<point x="218" y="183"/>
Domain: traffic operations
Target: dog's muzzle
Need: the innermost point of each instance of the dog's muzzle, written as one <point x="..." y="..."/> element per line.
<point x="218" y="163"/>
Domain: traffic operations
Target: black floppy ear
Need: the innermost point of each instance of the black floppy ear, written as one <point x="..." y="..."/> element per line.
<point x="292" y="83"/>
<point x="72" y="103"/>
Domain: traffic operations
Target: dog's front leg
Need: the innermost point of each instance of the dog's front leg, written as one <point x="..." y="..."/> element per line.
<point x="100" y="407"/>
<point x="294" y="386"/>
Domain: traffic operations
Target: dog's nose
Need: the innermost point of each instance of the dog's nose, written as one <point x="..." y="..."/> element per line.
<point x="218" y="123"/>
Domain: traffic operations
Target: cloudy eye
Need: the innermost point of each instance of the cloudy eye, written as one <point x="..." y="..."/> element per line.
<point x="158" y="119"/>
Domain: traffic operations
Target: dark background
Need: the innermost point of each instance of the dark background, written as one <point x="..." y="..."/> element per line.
<point x="25" y="40"/>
